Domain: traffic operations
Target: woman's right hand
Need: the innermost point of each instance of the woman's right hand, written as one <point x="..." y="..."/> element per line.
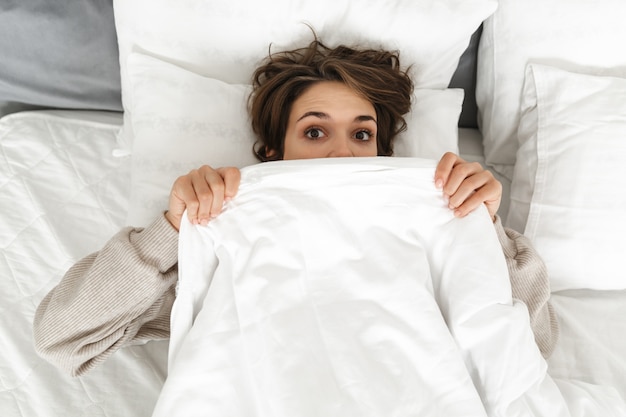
<point x="202" y="192"/>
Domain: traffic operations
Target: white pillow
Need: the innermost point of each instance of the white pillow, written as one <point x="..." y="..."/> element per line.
<point x="576" y="35"/>
<point x="432" y="124"/>
<point x="226" y="39"/>
<point x="183" y="120"/>
<point x="573" y="162"/>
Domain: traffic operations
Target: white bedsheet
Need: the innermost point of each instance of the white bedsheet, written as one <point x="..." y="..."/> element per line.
<point x="346" y="287"/>
<point x="62" y="195"/>
<point x="590" y="358"/>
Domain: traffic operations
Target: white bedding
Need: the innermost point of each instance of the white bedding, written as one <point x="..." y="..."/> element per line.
<point x="346" y="287"/>
<point x="591" y="353"/>
<point x="64" y="194"/>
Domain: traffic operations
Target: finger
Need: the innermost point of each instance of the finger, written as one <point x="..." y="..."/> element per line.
<point x="232" y="179"/>
<point x="176" y="207"/>
<point x="444" y="168"/>
<point x="459" y="174"/>
<point x="215" y="182"/>
<point x="471" y="195"/>
<point x="493" y="197"/>
<point x="470" y="204"/>
<point x="469" y="186"/>
<point x="202" y="198"/>
<point x="183" y="197"/>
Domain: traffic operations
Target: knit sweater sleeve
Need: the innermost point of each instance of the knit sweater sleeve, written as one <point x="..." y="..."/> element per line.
<point x="530" y="284"/>
<point x="120" y="295"/>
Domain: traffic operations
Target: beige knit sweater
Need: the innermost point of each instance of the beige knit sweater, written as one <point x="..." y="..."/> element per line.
<point x="123" y="294"/>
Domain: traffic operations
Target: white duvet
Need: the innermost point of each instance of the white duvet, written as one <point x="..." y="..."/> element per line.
<point x="346" y="287"/>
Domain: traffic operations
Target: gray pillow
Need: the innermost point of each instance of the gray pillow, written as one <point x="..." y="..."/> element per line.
<point x="58" y="54"/>
<point x="465" y="78"/>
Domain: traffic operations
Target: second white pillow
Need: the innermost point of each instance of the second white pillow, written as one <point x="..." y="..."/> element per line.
<point x="570" y="176"/>
<point x="183" y="120"/>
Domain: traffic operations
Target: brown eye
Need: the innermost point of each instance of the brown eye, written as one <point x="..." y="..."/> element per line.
<point x="314" y="133"/>
<point x="363" y="135"/>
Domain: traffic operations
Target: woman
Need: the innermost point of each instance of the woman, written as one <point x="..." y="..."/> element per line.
<point x="313" y="102"/>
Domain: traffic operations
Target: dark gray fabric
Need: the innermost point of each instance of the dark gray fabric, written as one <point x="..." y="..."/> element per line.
<point x="58" y="54"/>
<point x="465" y="77"/>
<point x="7" y="108"/>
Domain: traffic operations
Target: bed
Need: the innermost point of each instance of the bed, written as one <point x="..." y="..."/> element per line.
<point x="100" y="116"/>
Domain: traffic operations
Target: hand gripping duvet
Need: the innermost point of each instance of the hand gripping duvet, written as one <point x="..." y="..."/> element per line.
<point x="346" y="287"/>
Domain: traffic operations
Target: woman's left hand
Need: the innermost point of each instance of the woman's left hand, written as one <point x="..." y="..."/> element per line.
<point x="467" y="185"/>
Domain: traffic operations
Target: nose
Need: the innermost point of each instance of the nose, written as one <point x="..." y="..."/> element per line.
<point x="341" y="148"/>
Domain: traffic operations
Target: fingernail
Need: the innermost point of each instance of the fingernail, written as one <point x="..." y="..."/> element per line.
<point x="457" y="213"/>
<point x="438" y="184"/>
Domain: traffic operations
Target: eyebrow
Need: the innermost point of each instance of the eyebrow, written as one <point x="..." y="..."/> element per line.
<point x="322" y="115"/>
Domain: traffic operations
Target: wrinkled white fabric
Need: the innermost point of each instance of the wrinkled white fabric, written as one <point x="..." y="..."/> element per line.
<point x="346" y="287"/>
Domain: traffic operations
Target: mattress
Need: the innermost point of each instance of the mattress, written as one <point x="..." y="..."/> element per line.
<point x="591" y="352"/>
<point x="65" y="192"/>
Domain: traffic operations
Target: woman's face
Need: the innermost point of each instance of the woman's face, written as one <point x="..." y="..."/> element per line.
<point x="330" y="120"/>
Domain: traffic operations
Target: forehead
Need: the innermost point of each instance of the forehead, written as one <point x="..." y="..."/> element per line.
<point x="329" y="95"/>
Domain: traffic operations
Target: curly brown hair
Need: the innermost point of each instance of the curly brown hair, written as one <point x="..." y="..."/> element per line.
<point x="376" y="75"/>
